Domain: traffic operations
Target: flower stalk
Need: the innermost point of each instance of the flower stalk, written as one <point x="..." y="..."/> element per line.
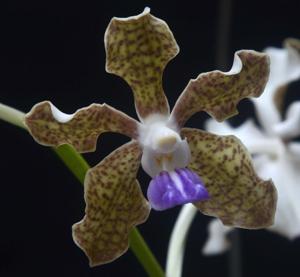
<point x="12" y="115"/>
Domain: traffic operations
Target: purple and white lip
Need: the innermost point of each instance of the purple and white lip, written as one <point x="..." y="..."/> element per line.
<point x="178" y="187"/>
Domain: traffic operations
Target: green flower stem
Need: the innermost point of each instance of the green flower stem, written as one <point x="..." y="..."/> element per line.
<point x="141" y="250"/>
<point x="78" y="166"/>
<point x="73" y="160"/>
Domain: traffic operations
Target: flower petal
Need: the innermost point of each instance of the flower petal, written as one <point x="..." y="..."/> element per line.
<point x="290" y="127"/>
<point x="138" y="48"/>
<point x="51" y="127"/>
<point x="216" y="242"/>
<point x="246" y="132"/>
<point x="178" y="187"/>
<point x="238" y="196"/>
<point x="293" y="150"/>
<point x="218" y="93"/>
<point x="114" y="204"/>
<point x="284" y="68"/>
<point x="285" y="172"/>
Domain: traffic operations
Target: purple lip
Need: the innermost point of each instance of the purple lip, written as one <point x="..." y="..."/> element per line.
<point x="169" y="189"/>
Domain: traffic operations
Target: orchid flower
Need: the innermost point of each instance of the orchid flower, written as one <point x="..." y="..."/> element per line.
<point x="213" y="172"/>
<point x="276" y="155"/>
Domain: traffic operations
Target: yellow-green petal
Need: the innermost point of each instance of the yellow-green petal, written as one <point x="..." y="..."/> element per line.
<point x="138" y="49"/>
<point x="238" y="196"/>
<point x="114" y="204"/>
<point x="218" y="93"/>
<point x="50" y="127"/>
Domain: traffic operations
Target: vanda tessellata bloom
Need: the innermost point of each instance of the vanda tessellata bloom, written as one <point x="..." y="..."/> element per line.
<point x="276" y="155"/>
<point x="186" y="165"/>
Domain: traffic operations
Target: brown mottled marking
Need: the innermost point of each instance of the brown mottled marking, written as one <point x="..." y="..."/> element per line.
<point x="114" y="204"/>
<point x="138" y="49"/>
<point x="218" y="94"/>
<point x="83" y="130"/>
<point x="238" y="196"/>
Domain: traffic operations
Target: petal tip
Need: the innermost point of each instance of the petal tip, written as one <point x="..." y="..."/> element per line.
<point x="96" y="257"/>
<point x="145" y="12"/>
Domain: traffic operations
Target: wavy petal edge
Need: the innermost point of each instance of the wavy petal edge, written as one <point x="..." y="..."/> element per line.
<point x="51" y="127"/>
<point x="114" y="204"/>
<point x="218" y="93"/>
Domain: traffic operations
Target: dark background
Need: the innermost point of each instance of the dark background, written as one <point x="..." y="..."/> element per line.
<point x="54" y="51"/>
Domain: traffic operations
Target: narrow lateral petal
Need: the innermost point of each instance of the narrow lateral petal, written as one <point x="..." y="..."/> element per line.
<point x="218" y="93"/>
<point x="237" y="195"/>
<point x="51" y="127"/>
<point x="114" y="204"/>
<point x="216" y="242"/>
<point x="138" y="48"/>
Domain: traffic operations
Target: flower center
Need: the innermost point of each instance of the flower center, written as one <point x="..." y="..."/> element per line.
<point x="165" y="158"/>
<point x="159" y="137"/>
<point x="163" y="148"/>
<point x="167" y="143"/>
